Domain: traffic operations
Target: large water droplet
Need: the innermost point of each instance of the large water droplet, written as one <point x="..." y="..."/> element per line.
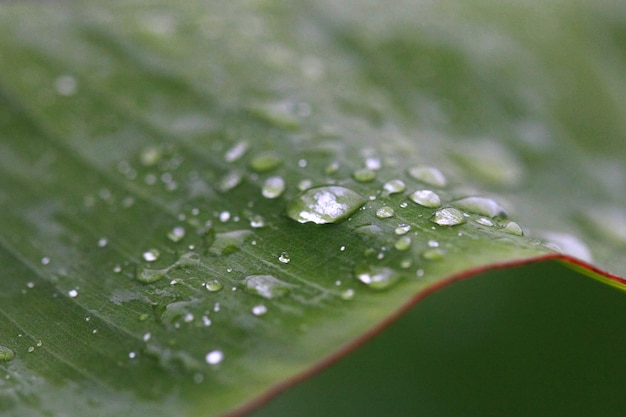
<point x="394" y="187"/>
<point x="213" y="285"/>
<point x="377" y="277"/>
<point x="229" y="242"/>
<point x="326" y="204"/>
<point x="513" y="228"/>
<point x="429" y="175"/>
<point x="481" y="205"/>
<point x="273" y="187"/>
<point x="448" y="217"/>
<point x="6" y="354"/>
<point x="426" y="198"/>
<point x="266" y="286"/>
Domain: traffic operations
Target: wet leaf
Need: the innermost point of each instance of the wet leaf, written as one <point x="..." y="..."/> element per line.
<point x="200" y="203"/>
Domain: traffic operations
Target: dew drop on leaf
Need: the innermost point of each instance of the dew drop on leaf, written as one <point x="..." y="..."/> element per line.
<point x="6" y="354"/>
<point x="513" y="228"/>
<point x="214" y="357"/>
<point x="448" y="217"/>
<point x="481" y="205"/>
<point x="236" y="152"/>
<point x="404" y="243"/>
<point x="426" y="198"/>
<point x="429" y="175"/>
<point x="284" y="258"/>
<point x="485" y="221"/>
<point x="151" y="255"/>
<point x="229" y="181"/>
<point x="151" y="156"/>
<point x="377" y="277"/>
<point x="229" y="242"/>
<point x="213" y="285"/>
<point x="434" y="254"/>
<point x="176" y="234"/>
<point x="273" y="187"/>
<point x="347" y="294"/>
<point x="265" y="161"/>
<point x="266" y="286"/>
<point x="326" y="204"/>
<point x="364" y="175"/>
<point x="257" y="221"/>
<point x="384" y="212"/>
<point x="259" y="310"/>
<point x="394" y="187"/>
<point x="402" y="229"/>
<point x="149" y="276"/>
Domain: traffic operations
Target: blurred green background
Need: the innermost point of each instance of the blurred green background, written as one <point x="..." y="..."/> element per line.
<point x="539" y="340"/>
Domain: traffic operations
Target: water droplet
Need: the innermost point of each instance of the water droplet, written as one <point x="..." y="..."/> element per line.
<point x="404" y="243"/>
<point x="224" y="216"/>
<point x="6" y="354"/>
<point x="31" y="349"/>
<point x="433" y="244"/>
<point x="402" y="229"/>
<point x="146" y="337"/>
<point x="302" y="163"/>
<point x="513" y="228"/>
<point x="326" y="204"/>
<point x="265" y="161"/>
<point x="481" y="205"/>
<point x="151" y="156"/>
<point x="406" y="263"/>
<point x="305" y="185"/>
<point x="364" y="175"/>
<point x="149" y="276"/>
<point x="273" y="187"/>
<point x="433" y="254"/>
<point x="485" y="221"/>
<point x="102" y="242"/>
<point x="448" y="217"/>
<point x="72" y="293"/>
<point x="229" y="242"/>
<point x="420" y="273"/>
<point x="373" y="163"/>
<point x="429" y="175"/>
<point x="257" y="221"/>
<point x="568" y="245"/>
<point x="384" y="212"/>
<point x="332" y="168"/>
<point x="45" y="260"/>
<point x="426" y="198"/>
<point x="176" y="234"/>
<point x="236" y="152"/>
<point x="206" y="321"/>
<point x="284" y="258"/>
<point x="213" y="285"/>
<point x="377" y="277"/>
<point x="66" y="85"/>
<point x="347" y="294"/>
<point x="266" y="286"/>
<point x="259" y="310"/>
<point x="132" y="355"/>
<point x="214" y="357"/>
<point x="151" y="255"/>
<point x="394" y="187"/>
<point x="229" y="181"/>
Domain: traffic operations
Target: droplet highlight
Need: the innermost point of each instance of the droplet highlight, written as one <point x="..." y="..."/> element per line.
<point x="448" y="217"/>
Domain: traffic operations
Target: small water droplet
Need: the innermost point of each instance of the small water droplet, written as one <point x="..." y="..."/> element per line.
<point x="429" y="175"/>
<point x="236" y="152"/>
<point x="406" y="263"/>
<point x="229" y="242"/>
<point x="426" y="198"/>
<point x="257" y="221"/>
<point x="31" y="349"/>
<point x="347" y="294"/>
<point x="404" y="243"/>
<point x="224" y="216"/>
<point x="214" y="357"/>
<point x="404" y="204"/>
<point x="259" y="310"/>
<point x="384" y="212"/>
<point x="302" y="163"/>
<point x="151" y="255"/>
<point x="364" y="175"/>
<point x="149" y="276"/>
<point x="6" y="354"/>
<point x="332" y="168"/>
<point x="146" y="337"/>
<point x="305" y="185"/>
<point x="132" y="355"/>
<point x="485" y="221"/>
<point x="206" y="321"/>
<point x="265" y="161"/>
<point x="266" y="286"/>
<point x="513" y="228"/>
<point x="377" y="277"/>
<point x="402" y="229"/>
<point x="213" y="285"/>
<point x="102" y="242"/>
<point x="326" y="204"/>
<point x="176" y="234"/>
<point x="229" y="181"/>
<point x="394" y="187"/>
<point x="151" y="156"/>
<point x="284" y="258"/>
<point x="433" y="244"/>
<point x="273" y="187"/>
<point x="433" y="254"/>
<point x="420" y="273"/>
<point x="448" y="217"/>
<point x="45" y="260"/>
<point x="72" y="293"/>
<point x="481" y="205"/>
<point x="373" y="163"/>
<point x="65" y="85"/>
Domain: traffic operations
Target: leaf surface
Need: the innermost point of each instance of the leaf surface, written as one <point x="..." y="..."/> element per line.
<point x="200" y="202"/>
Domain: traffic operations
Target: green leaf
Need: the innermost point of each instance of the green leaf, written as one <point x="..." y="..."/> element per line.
<point x="201" y="203"/>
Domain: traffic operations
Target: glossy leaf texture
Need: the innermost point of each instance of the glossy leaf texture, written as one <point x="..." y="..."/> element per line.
<point x="203" y="201"/>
